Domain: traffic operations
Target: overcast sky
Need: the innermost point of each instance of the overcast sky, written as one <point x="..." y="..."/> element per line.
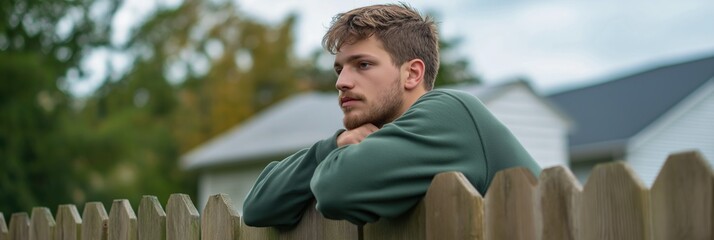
<point x="556" y="44"/>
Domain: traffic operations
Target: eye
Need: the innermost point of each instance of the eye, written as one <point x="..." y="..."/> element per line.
<point x="364" y="65"/>
<point x="338" y="70"/>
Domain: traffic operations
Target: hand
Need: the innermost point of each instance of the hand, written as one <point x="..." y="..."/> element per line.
<point x="356" y="135"/>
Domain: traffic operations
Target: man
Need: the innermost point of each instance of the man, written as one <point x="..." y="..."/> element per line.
<point x="399" y="135"/>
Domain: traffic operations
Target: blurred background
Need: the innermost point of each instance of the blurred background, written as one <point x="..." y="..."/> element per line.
<point x="99" y="99"/>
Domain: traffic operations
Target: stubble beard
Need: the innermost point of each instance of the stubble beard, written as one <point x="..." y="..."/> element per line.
<point x="386" y="109"/>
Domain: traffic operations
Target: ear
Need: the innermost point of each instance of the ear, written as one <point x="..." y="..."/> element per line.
<point x="414" y="72"/>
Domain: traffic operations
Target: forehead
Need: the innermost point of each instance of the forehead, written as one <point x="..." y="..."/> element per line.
<point x="366" y="47"/>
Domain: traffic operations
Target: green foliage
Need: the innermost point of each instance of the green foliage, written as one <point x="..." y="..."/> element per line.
<point x="35" y="160"/>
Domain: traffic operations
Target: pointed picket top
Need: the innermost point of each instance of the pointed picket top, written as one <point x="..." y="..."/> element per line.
<point x="559" y="194"/>
<point x="454" y="209"/>
<point x="19" y="226"/>
<point x="69" y="224"/>
<point x="95" y="221"/>
<point x="122" y="221"/>
<point x="314" y="226"/>
<point x="682" y="197"/>
<point x="152" y="219"/>
<point x="511" y="206"/>
<point x="614" y="204"/>
<point x="3" y="228"/>
<point x="43" y="224"/>
<point x="182" y="219"/>
<point x="220" y="220"/>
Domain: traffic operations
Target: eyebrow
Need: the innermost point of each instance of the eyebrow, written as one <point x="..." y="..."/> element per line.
<point x="352" y="58"/>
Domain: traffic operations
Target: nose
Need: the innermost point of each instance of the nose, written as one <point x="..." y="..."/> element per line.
<point x="344" y="81"/>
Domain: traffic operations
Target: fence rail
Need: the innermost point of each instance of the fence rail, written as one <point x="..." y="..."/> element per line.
<point x="614" y="204"/>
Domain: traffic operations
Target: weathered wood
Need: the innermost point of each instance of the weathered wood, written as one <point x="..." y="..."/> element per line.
<point x="614" y="205"/>
<point x="682" y="197"/>
<point x="257" y="233"/>
<point x="19" y="226"/>
<point x="69" y="224"/>
<point x="454" y="209"/>
<point x="122" y="221"/>
<point x="42" y="224"/>
<point x="511" y="206"/>
<point x="182" y="219"/>
<point x="408" y="226"/>
<point x="152" y="219"/>
<point x="559" y="194"/>
<point x="313" y="226"/>
<point x="95" y="221"/>
<point x="220" y="220"/>
<point x="3" y="228"/>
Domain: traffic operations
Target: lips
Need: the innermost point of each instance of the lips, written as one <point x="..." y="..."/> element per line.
<point x="347" y="101"/>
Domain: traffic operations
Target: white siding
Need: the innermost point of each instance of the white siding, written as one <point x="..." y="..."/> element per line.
<point x="236" y="183"/>
<point x="690" y="125"/>
<point x="542" y="131"/>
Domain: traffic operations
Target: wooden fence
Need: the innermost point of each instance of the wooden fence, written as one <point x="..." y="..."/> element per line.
<point x="614" y="204"/>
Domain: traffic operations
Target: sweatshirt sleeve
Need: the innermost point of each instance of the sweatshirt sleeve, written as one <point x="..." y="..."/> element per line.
<point x="390" y="171"/>
<point x="282" y="191"/>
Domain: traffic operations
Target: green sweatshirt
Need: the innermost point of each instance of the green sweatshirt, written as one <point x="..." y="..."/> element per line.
<point x="390" y="170"/>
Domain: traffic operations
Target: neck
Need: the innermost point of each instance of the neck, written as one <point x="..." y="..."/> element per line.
<point x="410" y="97"/>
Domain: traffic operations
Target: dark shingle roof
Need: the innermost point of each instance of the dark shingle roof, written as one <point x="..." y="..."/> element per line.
<point x="616" y="110"/>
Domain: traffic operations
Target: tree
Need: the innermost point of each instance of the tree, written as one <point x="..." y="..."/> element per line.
<point x="40" y="43"/>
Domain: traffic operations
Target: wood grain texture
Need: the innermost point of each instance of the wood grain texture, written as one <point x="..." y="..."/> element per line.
<point x="454" y="209"/>
<point x="69" y="223"/>
<point x="408" y="226"/>
<point x="95" y="221"/>
<point x="220" y="220"/>
<point x="313" y="226"/>
<point x="614" y="205"/>
<point x="151" y="220"/>
<point x="42" y="224"/>
<point x="19" y="226"/>
<point x="182" y="219"/>
<point x="682" y="197"/>
<point x="4" y="234"/>
<point x="122" y="221"/>
<point x="511" y="201"/>
<point x="559" y="194"/>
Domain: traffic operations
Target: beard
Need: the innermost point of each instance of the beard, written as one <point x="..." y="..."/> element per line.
<point x="389" y="103"/>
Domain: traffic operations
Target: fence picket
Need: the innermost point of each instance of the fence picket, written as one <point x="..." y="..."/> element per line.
<point x="454" y="209"/>
<point x="559" y="193"/>
<point x="511" y="201"/>
<point x="95" y="221"/>
<point x="183" y="221"/>
<point x="220" y="220"/>
<point x="152" y="219"/>
<point x="122" y="221"/>
<point x="257" y="233"/>
<point x="313" y="226"/>
<point x="411" y="225"/>
<point x="3" y="228"/>
<point x="682" y="197"/>
<point x="614" y="204"/>
<point x="69" y="224"/>
<point x="19" y="226"/>
<point x="42" y="224"/>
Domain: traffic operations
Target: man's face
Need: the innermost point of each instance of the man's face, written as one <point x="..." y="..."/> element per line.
<point x="369" y="84"/>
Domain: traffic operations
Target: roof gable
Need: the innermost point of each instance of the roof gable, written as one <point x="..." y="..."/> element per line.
<point x="617" y="110"/>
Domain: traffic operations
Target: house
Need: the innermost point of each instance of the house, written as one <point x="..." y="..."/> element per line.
<point x="642" y="118"/>
<point x="231" y="162"/>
